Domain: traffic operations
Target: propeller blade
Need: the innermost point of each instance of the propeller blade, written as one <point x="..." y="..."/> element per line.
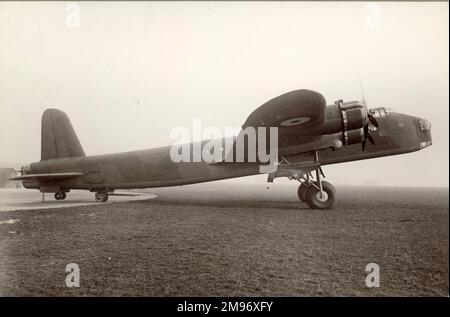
<point x="367" y="136"/>
<point x="366" y="130"/>
<point x="373" y="120"/>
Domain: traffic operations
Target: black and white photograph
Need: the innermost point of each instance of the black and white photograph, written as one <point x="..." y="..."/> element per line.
<point x="224" y="150"/>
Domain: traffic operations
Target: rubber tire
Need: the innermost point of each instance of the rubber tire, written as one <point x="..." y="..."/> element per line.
<point x="301" y="192"/>
<point x="314" y="203"/>
<point x="63" y="195"/>
<point x="101" y="197"/>
<point x="58" y="196"/>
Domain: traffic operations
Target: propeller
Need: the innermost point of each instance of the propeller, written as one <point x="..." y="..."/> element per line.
<point x="372" y="121"/>
<point x="367" y="136"/>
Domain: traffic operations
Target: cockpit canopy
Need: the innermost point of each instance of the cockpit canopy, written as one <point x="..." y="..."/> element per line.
<point x="381" y="112"/>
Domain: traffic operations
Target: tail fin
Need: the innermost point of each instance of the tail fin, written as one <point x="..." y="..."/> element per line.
<point x="58" y="138"/>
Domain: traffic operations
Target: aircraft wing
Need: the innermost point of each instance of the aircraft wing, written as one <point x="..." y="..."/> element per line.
<point x="48" y="177"/>
<point x="298" y="115"/>
<point x="294" y="113"/>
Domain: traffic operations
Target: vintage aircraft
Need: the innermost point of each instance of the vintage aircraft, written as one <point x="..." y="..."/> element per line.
<point x="310" y="135"/>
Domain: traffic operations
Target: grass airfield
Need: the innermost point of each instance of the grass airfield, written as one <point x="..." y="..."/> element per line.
<point x="229" y="240"/>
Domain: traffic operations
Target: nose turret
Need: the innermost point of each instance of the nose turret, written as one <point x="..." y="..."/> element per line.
<point x="424" y="133"/>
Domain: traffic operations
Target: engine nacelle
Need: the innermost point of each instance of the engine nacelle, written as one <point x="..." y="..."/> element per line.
<point x="353" y="118"/>
<point x="344" y="116"/>
<point x="353" y="136"/>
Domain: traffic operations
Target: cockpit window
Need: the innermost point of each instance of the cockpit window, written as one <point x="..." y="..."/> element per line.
<point x="381" y="112"/>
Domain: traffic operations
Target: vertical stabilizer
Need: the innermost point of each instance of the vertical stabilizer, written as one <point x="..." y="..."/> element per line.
<point x="58" y="138"/>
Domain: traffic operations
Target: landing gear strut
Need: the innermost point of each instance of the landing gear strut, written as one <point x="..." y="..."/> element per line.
<point x="316" y="194"/>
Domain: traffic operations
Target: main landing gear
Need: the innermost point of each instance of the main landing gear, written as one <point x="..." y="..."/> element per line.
<point x="317" y="194"/>
<point x="101" y="196"/>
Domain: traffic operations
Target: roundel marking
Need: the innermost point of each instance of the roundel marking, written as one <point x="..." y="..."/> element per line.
<point x="295" y="121"/>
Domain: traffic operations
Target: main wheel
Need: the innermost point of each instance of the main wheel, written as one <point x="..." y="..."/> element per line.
<point x="101" y="197"/>
<point x="317" y="201"/>
<point x="63" y="195"/>
<point x="301" y="192"/>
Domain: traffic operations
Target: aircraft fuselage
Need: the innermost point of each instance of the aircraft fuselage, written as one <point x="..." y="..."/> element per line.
<point x="396" y="134"/>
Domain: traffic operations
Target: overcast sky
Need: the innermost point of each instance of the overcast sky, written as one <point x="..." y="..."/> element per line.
<point x="132" y="71"/>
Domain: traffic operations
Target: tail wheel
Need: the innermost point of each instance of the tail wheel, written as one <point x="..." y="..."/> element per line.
<point x="101" y="197"/>
<point x="315" y="200"/>
<point x="301" y="192"/>
<point x="60" y="195"/>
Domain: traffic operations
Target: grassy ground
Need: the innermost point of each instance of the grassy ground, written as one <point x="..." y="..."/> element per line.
<point x="231" y="240"/>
